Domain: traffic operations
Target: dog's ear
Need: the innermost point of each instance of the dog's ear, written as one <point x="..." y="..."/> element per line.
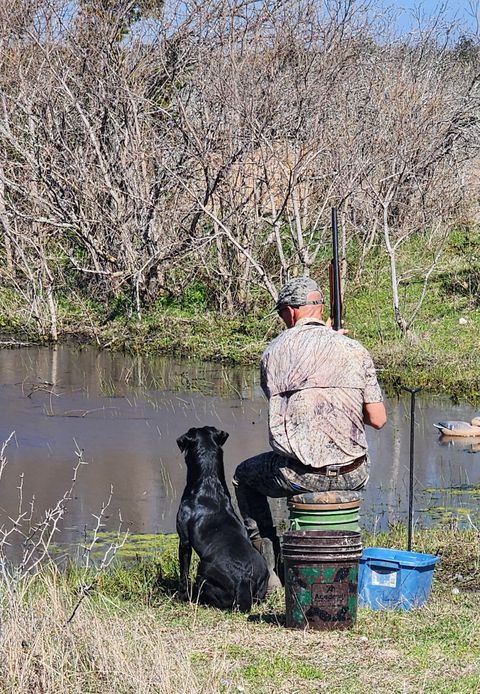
<point x="186" y="440"/>
<point x="219" y="437"/>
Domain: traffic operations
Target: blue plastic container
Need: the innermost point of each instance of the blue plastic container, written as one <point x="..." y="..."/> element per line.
<point x="390" y="579"/>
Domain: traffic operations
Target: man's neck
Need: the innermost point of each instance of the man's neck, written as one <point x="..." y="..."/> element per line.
<point x="308" y="319"/>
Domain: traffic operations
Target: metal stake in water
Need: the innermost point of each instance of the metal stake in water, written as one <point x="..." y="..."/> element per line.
<point x="413" y="392"/>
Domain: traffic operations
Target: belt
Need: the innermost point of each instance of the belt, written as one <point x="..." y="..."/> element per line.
<point x="340" y="469"/>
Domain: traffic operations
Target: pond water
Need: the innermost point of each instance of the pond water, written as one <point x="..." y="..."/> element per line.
<point x="124" y="414"/>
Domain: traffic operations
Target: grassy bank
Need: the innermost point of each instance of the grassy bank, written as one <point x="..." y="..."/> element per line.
<point x="439" y="353"/>
<point x="446" y="363"/>
<point x="131" y="635"/>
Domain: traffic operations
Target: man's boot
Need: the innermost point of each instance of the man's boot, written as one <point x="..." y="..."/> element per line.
<point x="265" y="546"/>
<point x="277" y="558"/>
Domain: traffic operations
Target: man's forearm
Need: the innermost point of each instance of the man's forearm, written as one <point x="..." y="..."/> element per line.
<point x="374" y="414"/>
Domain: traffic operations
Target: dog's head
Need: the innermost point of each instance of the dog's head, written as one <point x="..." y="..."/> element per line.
<point x="202" y="435"/>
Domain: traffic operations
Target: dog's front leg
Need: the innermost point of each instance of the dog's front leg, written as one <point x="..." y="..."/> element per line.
<point x="184" y="558"/>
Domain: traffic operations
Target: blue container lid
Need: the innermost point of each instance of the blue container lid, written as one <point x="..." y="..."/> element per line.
<point x="402" y="557"/>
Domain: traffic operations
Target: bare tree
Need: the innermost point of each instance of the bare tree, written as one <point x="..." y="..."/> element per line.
<point x="146" y="145"/>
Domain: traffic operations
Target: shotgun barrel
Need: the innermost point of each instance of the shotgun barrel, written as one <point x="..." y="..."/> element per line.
<point x="334" y="277"/>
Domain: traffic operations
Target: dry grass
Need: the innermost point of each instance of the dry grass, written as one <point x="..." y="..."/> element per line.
<point x="102" y="650"/>
<point x="118" y="646"/>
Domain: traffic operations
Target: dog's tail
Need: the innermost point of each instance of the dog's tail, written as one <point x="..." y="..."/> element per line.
<point x="243" y="596"/>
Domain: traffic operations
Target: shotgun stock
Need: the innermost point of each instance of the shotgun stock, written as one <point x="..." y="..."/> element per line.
<point x="334" y="277"/>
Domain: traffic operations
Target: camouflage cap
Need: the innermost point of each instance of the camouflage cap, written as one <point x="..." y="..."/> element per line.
<point x="295" y="293"/>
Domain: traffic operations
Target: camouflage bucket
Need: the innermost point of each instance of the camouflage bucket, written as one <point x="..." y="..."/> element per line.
<point x="321" y="572"/>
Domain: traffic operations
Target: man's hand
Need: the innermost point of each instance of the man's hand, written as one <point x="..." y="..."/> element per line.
<point x="329" y="324"/>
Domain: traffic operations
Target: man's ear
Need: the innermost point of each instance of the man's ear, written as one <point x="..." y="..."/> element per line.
<point x="220" y="437"/>
<point x="287" y="314"/>
<point x="186" y="440"/>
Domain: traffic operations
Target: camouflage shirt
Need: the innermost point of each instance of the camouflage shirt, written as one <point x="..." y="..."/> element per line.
<point x="317" y="381"/>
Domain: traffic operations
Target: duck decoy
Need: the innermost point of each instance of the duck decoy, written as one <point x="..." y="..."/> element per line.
<point x="458" y="428"/>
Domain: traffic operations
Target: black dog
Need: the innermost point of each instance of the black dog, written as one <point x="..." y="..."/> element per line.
<point x="231" y="573"/>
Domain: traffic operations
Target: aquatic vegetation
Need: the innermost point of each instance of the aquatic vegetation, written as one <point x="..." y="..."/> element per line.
<point x="140" y="545"/>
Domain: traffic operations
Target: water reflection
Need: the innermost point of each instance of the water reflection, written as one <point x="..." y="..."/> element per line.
<point x="470" y="444"/>
<point x="125" y="414"/>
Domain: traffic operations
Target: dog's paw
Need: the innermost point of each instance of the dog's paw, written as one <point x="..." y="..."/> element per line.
<point x="183" y="594"/>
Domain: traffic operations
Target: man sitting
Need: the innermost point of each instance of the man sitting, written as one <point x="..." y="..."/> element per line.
<point x="322" y="389"/>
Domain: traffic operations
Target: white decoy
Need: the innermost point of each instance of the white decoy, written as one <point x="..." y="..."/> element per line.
<point x="476" y="421"/>
<point x="458" y="428"/>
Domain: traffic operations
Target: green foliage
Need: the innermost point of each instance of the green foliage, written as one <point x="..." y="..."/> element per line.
<point x="464" y="240"/>
<point x="11" y="319"/>
<point x="71" y="307"/>
<point x="438" y="353"/>
<point x="119" y="307"/>
<point x="140" y="580"/>
<point x="145" y="568"/>
<point x="193" y="299"/>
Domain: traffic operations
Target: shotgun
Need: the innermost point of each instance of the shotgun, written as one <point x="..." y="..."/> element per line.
<point x="334" y="277"/>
